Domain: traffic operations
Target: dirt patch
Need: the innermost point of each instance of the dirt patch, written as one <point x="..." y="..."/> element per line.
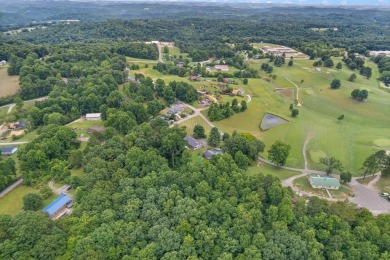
<point x="16" y="133"/>
<point x="285" y="92"/>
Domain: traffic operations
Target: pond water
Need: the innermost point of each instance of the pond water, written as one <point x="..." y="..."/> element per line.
<point x="270" y="120"/>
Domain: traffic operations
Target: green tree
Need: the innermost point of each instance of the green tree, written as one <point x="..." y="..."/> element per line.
<point x="199" y="131"/>
<point x="374" y="163"/>
<point x="355" y="93"/>
<point x="339" y="66"/>
<point x="294" y="112"/>
<point x="290" y="63"/>
<point x="291" y="107"/>
<point x="279" y="152"/>
<point x="214" y="137"/>
<point x="32" y="201"/>
<point x="346" y="177"/>
<point x="331" y="164"/>
<point x="166" y="49"/>
<point x="244" y="105"/>
<point x="245" y="81"/>
<point x="335" y="84"/>
<point x="352" y="78"/>
<point x="328" y="63"/>
<point x="341" y="117"/>
<point x="241" y="160"/>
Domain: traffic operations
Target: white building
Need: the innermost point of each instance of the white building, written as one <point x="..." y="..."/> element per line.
<point x="93" y="116"/>
<point x="3" y="62"/>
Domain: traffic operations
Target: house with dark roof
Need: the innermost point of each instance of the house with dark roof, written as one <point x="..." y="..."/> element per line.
<point x="208" y="154"/>
<point x="324" y="182"/>
<point x="9" y="150"/>
<point x="57" y="206"/>
<point x="193" y="143"/>
<point x="17" y="126"/>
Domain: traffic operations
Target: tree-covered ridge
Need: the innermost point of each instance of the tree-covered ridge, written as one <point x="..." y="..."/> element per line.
<point x="206" y="37"/>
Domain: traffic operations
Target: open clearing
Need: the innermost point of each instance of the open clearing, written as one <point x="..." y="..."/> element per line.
<point x="263" y="168"/>
<point x="12" y="203"/>
<point x="9" y="85"/>
<point x="191" y="123"/>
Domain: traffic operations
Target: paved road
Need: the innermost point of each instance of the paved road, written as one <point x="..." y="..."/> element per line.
<point x="13" y="143"/>
<point x="369" y="199"/>
<point x="11" y="187"/>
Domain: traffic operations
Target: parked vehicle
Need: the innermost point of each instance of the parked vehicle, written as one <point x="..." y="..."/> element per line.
<point x="384" y="194"/>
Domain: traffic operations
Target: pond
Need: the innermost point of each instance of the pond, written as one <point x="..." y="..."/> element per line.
<point x="270" y="120"/>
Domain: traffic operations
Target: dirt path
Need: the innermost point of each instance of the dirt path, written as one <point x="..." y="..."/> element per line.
<point x="160" y="57"/>
<point x="371" y="184"/>
<point x="297" y="99"/>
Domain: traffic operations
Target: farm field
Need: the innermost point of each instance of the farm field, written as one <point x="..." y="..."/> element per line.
<point x="8" y="84"/>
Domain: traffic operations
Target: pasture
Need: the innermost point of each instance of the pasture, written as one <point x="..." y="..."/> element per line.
<point x="9" y="85"/>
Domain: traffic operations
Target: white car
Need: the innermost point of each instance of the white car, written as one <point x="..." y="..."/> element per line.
<point x="384" y="194"/>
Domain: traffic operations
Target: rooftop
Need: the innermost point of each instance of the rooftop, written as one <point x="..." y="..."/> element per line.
<point x="324" y="181"/>
<point x="8" y="149"/>
<point x="57" y="204"/>
<point x="191" y="141"/>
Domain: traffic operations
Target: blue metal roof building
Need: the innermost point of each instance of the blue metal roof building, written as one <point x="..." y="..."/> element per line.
<point x="57" y="204"/>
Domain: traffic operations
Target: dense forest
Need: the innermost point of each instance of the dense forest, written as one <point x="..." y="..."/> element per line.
<point x="141" y="193"/>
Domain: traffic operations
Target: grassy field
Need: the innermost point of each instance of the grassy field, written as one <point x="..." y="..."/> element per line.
<point x="12" y="203"/>
<point x="8" y="84"/>
<point x="82" y="126"/>
<point x="361" y="132"/>
<point x="268" y="169"/>
<point x="191" y="123"/>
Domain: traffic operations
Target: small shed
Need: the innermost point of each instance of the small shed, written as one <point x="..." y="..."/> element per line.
<point x="57" y="205"/>
<point x="93" y="117"/>
<point x="9" y="150"/>
<point x="324" y="182"/>
<point x="192" y="142"/>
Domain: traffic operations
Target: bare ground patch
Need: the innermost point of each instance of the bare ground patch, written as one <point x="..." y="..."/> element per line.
<point x="285" y="92"/>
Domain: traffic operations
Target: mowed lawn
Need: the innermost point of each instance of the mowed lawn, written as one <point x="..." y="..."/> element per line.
<point x="8" y="84"/>
<point x="271" y="170"/>
<point x="83" y="125"/>
<point x="12" y="203"/>
<point x="363" y="131"/>
<point x="192" y="122"/>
